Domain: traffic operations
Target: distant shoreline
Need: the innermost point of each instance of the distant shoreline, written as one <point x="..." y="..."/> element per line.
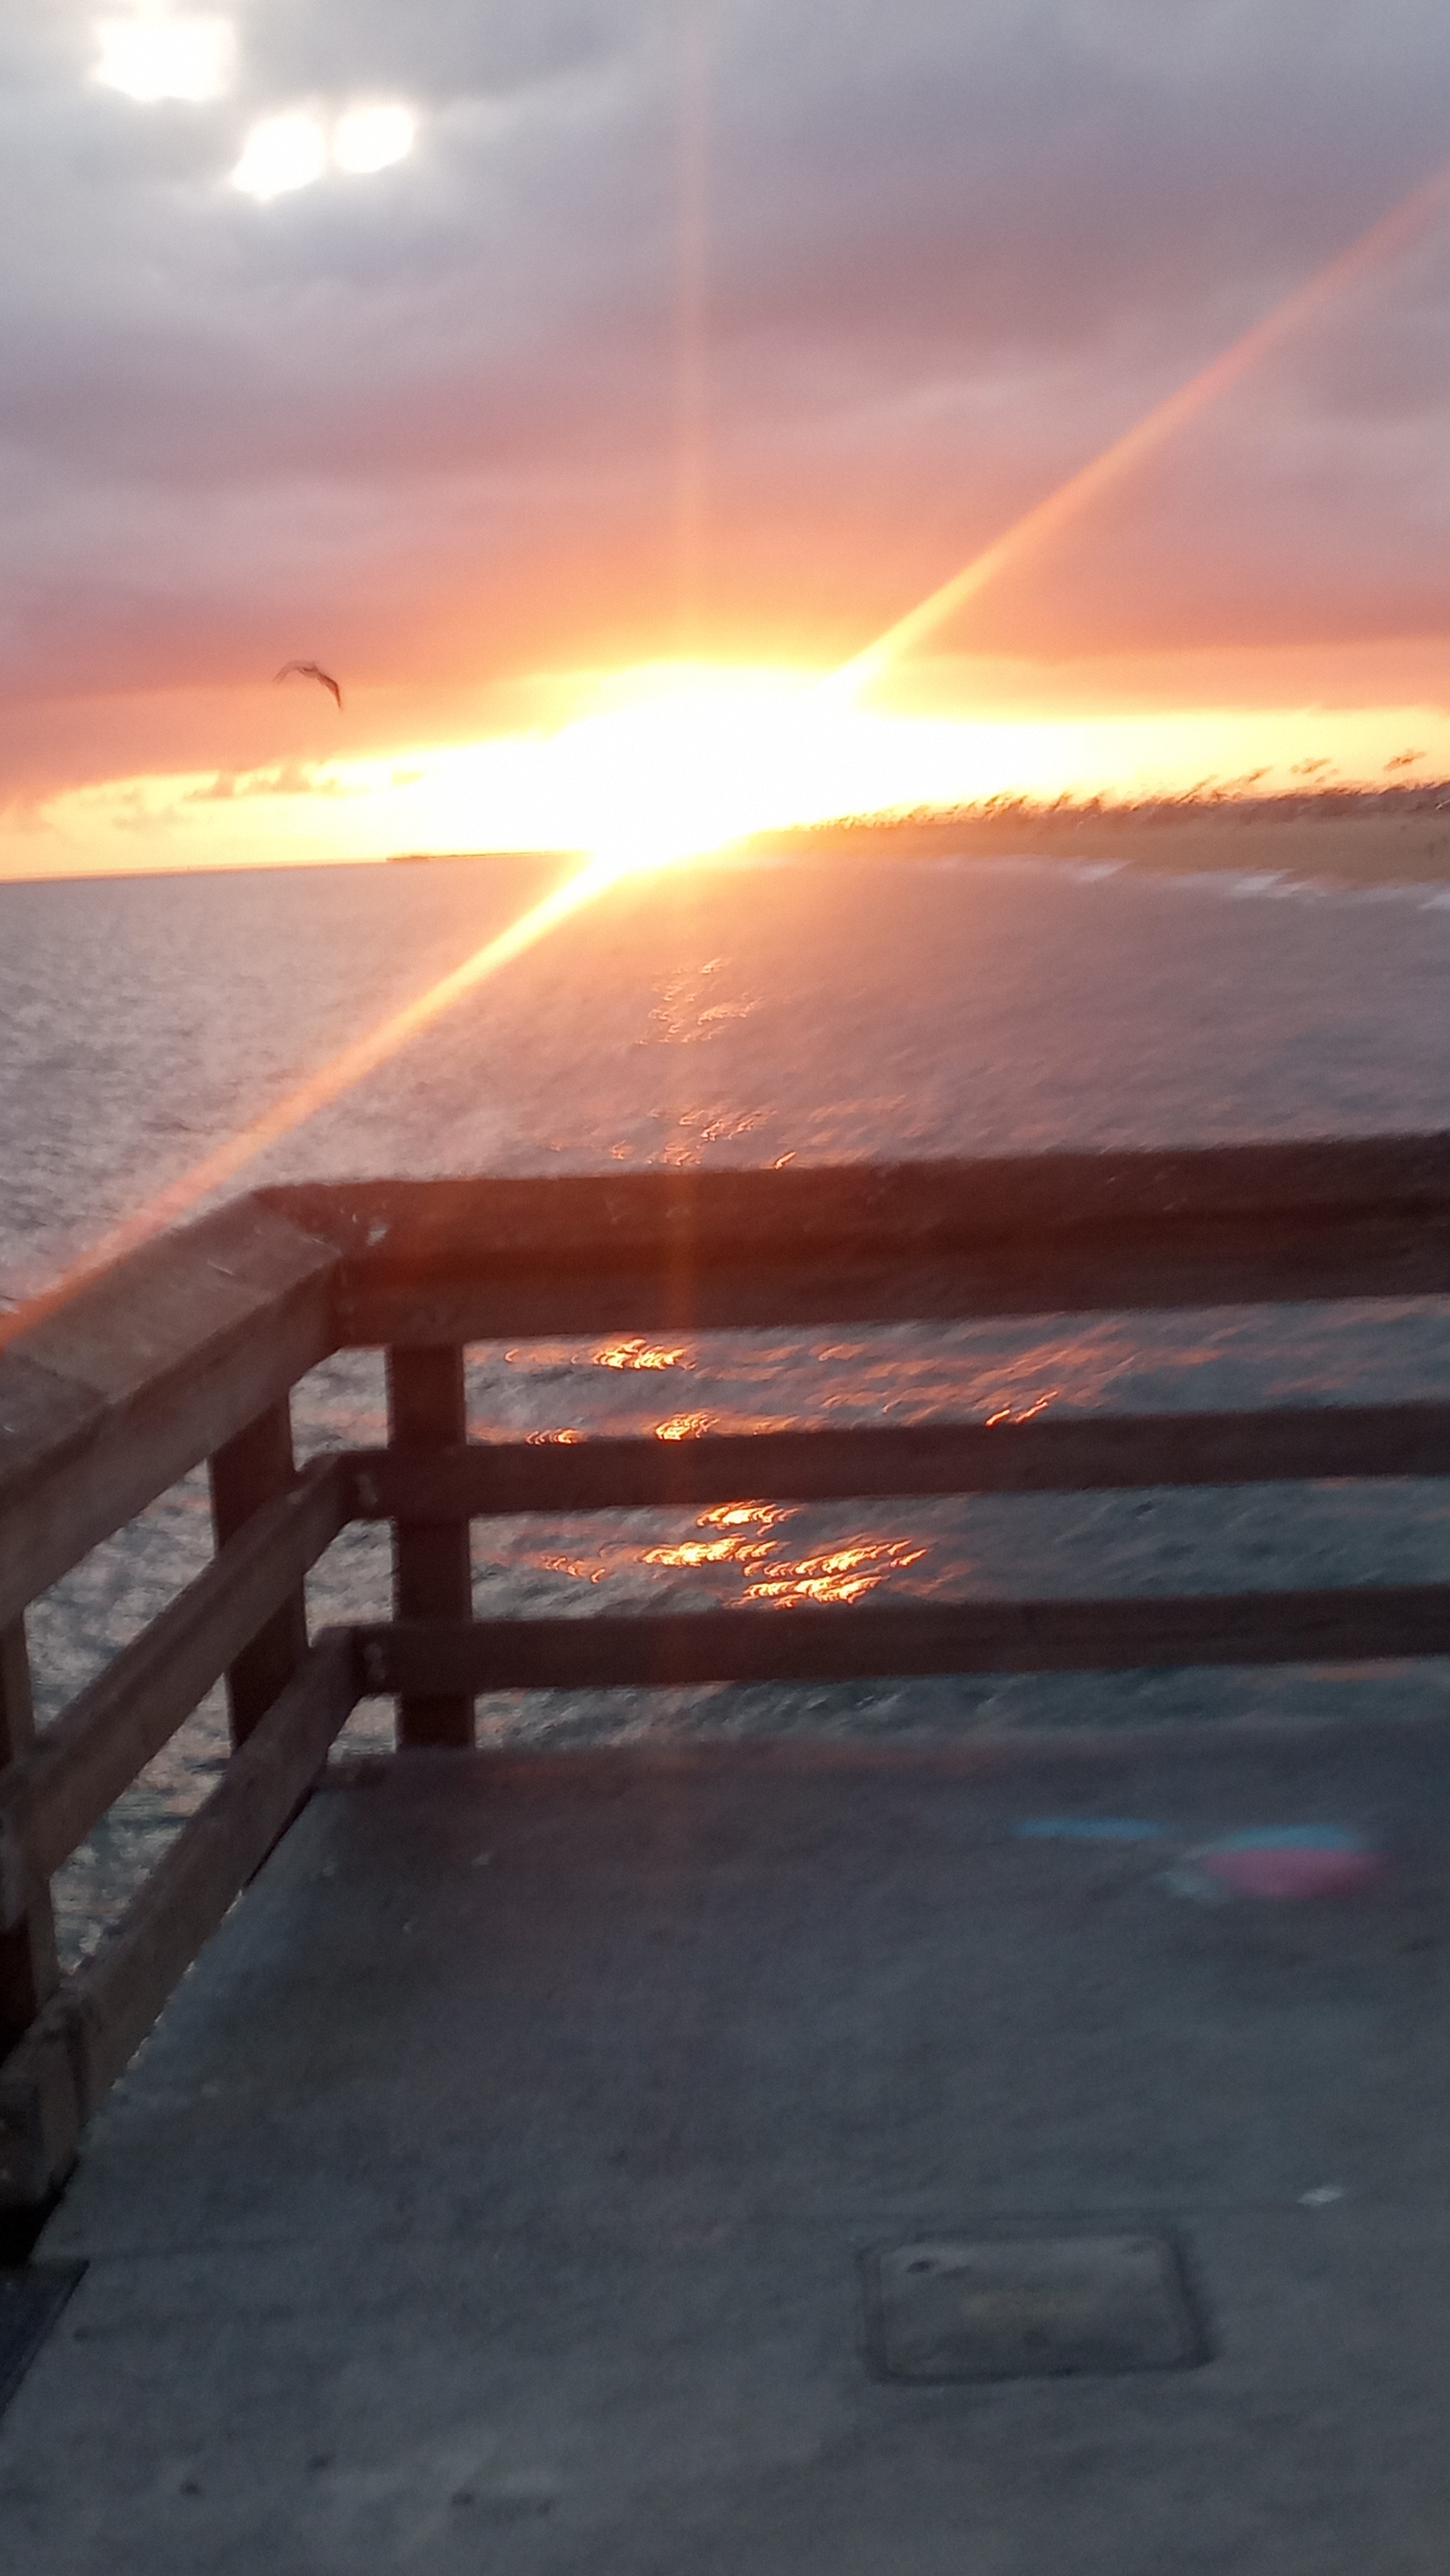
<point x="1388" y="837"/>
<point x="1394" y="837"/>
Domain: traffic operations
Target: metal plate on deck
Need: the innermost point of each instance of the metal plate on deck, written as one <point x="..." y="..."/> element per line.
<point x="1037" y="2307"/>
<point x="31" y="2299"/>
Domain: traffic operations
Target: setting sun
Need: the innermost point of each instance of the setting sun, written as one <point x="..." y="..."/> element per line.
<point x="676" y="760"/>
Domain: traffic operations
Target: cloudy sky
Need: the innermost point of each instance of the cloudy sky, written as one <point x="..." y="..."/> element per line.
<point x="594" y="337"/>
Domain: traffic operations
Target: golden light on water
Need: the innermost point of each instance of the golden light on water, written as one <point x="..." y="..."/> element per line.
<point x="751" y="1537"/>
<point x="752" y="1541"/>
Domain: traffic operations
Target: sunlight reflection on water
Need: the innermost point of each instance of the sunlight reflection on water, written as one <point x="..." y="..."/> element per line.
<point x="752" y="1017"/>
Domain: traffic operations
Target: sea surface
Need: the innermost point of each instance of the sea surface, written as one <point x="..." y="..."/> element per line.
<point x="748" y="1014"/>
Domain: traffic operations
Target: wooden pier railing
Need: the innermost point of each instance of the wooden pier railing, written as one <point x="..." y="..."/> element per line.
<point x="189" y="1350"/>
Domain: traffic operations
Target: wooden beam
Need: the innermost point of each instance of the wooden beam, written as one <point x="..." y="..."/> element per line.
<point x="146" y="1370"/>
<point x="1063" y="1453"/>
<point x="446" y="1261"/>
<point x="93" y="2027"/>
<point x="40" y="2114"/>
<point x="50" y="1799"/>
<point x="255" y="1468"/>
<point x="432" y="1549"/>
<point x="903" y="1210"/>
<point x="809" y="1644"/>
<point x="29" y="1971"/>
<point x="1123" y="1275"/>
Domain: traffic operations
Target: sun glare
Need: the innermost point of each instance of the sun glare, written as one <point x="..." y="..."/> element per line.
<point x="154" y="58"/>
<point x="372" y="138"/>
<point x="282" y="153"/>
<point x="293" y="150"/>
<point x="676" y="760"/>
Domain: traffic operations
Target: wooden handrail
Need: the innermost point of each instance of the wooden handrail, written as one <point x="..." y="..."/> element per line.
<point x="1066" y="1453"/>
<point x="189" y="1349"/>
<point x="56" y="2078"/>
<point x="147" y="1370"/>
<point x="50" y="1800"/>
<point x="435" y="1262"/>
<point x="858" y="1641"/>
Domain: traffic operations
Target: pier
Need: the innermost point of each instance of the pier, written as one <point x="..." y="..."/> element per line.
<point x="799" y="2157"/>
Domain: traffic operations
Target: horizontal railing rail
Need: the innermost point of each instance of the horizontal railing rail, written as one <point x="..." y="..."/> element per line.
<point x="52" y="1798"/>
<point x="1092" y="1452"/>
<point x="89" y="2029"/>
<point x="1362" y="1623"/>
<point x="188" y="1351"/>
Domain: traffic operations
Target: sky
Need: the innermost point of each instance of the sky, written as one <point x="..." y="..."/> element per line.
<point x="584" y="382"/>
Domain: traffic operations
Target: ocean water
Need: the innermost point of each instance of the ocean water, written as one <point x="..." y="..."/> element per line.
<point x="747" y="1014"/>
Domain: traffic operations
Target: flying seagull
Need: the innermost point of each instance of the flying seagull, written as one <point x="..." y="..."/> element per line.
<point x="313" y="671"/>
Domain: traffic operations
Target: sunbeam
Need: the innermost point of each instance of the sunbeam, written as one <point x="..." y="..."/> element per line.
<point x="689" y="494"/>
<point x="348" y="1067"/>
<point x="1373" y="250"/>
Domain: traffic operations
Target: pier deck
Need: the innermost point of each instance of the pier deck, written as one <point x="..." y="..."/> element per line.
<point x="500" y="2188"/>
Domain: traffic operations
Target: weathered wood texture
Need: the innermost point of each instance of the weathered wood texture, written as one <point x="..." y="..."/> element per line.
<point x="1069" y="1453"/>
<point x="144" y="1372"/>
<point x="29" y="1973"/>
<point x="432" y="1554"/>
<point x="54" y="2080"/>
<point x="172" y="1354"/>
<point x="188" y="1350"/>
<point x="50" y="1800"/>
<point x="1369" y="1624"/>
<point x="255" y="1468"/>
<point x="1376" y="1262"/>
<point x="446" y="1261"/>
<point x="479" y="1225"/>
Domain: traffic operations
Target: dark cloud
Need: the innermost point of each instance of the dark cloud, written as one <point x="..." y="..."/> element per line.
<point x="424" y="421"/>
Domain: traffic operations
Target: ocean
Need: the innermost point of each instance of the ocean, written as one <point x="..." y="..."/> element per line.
<point x="747" y="1014"/>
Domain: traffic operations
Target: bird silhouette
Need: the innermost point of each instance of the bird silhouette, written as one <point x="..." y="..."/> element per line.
<point x="313" y="671"/>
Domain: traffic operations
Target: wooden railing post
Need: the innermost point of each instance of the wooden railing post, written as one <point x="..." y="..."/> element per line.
<point x="255" y="1468"/>
<point x="29" y="1973"/>
<point x="432" y="1559"/>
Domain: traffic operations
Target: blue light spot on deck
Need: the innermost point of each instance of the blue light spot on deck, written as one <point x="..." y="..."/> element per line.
<point x="1293" y="1838"/>
<point x="1087" y="1829"/>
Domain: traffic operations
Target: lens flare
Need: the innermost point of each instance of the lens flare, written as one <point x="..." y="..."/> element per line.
<point x="281" y="154"/>
<point x="151" y="59"/>
<point x="372" y="138"/>
<point x="347" y="1068"/>
<point x="1364" y="258"/>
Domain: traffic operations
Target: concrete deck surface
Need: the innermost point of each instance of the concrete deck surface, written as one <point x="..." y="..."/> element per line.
<point x="495" y="2192"/>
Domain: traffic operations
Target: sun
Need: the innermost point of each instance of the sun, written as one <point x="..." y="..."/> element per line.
<point x="664" y="762"/>
<point x="681" y="759"/>
<point x="675" y="760"/>
<point x="645" y="767"/>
